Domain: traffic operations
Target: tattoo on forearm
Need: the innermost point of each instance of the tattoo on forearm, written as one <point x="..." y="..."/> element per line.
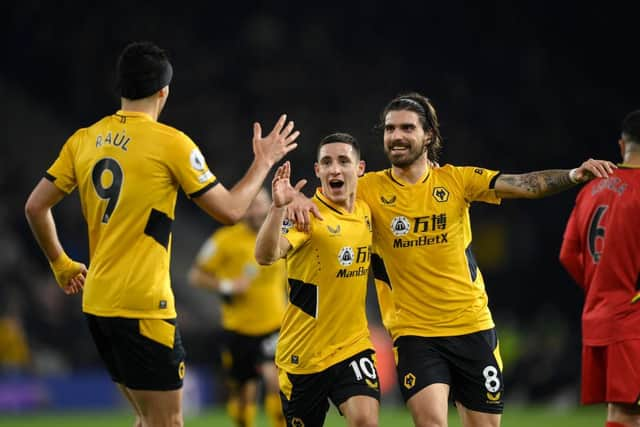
<point x="541" y="183"/>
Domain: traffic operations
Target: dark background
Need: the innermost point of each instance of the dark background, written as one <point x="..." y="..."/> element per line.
<point x="518" y="87"/>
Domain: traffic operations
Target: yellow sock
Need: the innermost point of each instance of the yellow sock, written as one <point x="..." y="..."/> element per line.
<point x="249" y="416"/>
<point x="273" y="408"/>
<point x="242" y="417"/>
<point x="233" y="410"/>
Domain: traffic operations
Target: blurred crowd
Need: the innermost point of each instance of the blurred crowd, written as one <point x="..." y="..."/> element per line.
<point x="509" y="97"/>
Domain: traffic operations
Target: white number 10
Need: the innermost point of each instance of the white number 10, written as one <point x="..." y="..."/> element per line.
<point x="363" y="366"/>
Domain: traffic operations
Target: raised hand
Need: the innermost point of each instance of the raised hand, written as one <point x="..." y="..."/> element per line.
<point x="282" y="192"/>
<point x="590" y="169"/>
<point x="280" y="141"/>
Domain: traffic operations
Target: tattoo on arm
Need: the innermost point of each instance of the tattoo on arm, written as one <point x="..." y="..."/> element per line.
<point x="534" y="184"/>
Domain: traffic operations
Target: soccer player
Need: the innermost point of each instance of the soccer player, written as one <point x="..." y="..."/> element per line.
<point x="431" y="293"/>
<point x="128" y="168"/>
<point x="324" y="351"/>
<point x="253" y="303"/>
<point x="601" y="251"/>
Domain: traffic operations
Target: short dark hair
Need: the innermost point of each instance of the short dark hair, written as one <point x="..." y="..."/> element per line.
<point x="422" y="106"/>
<point x="142" y="69"/>
<point x="342" y="137"/>
<point x="631" y="127"/>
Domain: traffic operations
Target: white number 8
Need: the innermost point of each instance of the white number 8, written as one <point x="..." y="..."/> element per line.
<point x="491" y="381"/>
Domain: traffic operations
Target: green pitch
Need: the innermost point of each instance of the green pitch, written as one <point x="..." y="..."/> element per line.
<point x="514" y="417"/>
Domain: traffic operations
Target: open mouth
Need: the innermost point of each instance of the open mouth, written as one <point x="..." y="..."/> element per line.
<point x="336" y="183"/>
<point x="398" y="148"/>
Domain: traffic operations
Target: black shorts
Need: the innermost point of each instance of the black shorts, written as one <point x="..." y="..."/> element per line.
<point x="142" y="354"/>
<point x="242" y="355"/>
<point x="470" y="364"/>
<point x="305" y="398"/>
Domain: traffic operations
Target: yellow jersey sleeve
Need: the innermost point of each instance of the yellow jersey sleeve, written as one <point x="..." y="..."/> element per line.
<point x="62" y="172"/>
<point x="478" y="184"/>
<point x="295" y="237"/>
<point x="188" y="166"/>
<point x="208" y="257"/>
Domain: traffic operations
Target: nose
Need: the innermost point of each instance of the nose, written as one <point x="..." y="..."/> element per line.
<point x="395" y="135"/>
<point x="334" y="168"/>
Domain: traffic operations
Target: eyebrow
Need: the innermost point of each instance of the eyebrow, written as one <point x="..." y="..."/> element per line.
<point x="338" y="157"/>
<point x="400" y="125"/>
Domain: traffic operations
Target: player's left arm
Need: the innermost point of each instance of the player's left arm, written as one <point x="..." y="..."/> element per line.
<point x="68" y="273"/>
<point x="534" y="185"/>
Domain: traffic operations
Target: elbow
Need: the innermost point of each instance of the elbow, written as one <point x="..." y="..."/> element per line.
<point x="193" y="277"/>
<point x="32" y="209"/>
<point x="263" y="258"/>
<point x="562" y="258"/>
<point x="231" y="217"/>
<point x="566" y="257"/>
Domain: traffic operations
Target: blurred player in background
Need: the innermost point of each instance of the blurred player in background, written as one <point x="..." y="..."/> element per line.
<point x="431" y="293"/>
<point x="128" y="168"/>
<point x="601" y="251"/>
<point x="253" y="303"/>
<point x="325" y="351"/>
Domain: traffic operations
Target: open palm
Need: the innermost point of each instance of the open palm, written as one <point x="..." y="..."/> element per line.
<point x="282" y="191"/>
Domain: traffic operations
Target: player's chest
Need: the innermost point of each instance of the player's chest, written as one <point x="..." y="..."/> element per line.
<point x="426" y="209"/>
<point x="335" y="232"/>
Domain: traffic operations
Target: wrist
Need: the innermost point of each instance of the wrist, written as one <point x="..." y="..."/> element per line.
<point x="61" y="262"/>
<point x="262" y="164"/>
<point x="225" y="287"/>
<point x="573" y="176"/>
<point x="278" y="208"/>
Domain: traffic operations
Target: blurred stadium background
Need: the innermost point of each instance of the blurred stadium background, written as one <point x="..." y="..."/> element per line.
<point x="518" y="87"/>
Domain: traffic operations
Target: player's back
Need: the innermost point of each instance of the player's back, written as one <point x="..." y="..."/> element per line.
<point x="607" y="215"/>
<point x="127" y="168"/>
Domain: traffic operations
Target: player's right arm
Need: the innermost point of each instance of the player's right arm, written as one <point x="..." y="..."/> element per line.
<point x="200" y="278"/>
<point x="202" y="273"/>
<point x="229" y="206"/>
<point x="571" y="253"/>
<point x="68" y="273"/>
<point x="270" y="244"/>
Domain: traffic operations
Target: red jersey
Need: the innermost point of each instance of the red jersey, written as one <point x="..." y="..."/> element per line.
<point x="601" y="251"/>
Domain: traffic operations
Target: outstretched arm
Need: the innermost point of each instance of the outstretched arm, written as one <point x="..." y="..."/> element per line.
<point x="229" y="206"/>
<point x="270" y="245"/>
<point x="200" y="278"/>
<point x="68" y="273"/>
<point x="534" y="185"/>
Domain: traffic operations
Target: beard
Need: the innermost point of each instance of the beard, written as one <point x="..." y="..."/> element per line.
<point x="406" y="159"/>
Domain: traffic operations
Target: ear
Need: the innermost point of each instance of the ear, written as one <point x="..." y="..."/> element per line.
<point x="316" y="169"/>
<point x="428" y="137"/>
<point x="361" y="167"/>
<point x="164" y="92"/>
<point x="622" y="145"/>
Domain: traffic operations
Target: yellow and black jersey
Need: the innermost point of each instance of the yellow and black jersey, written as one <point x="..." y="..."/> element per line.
<point x="427" y="279"/>
<point x="327" y="268"/>
<point x="128" y="168"/>
<point x="229" y="254"/>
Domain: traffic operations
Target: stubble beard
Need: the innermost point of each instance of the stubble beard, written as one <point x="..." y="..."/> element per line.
<point x="407" y="159"/>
